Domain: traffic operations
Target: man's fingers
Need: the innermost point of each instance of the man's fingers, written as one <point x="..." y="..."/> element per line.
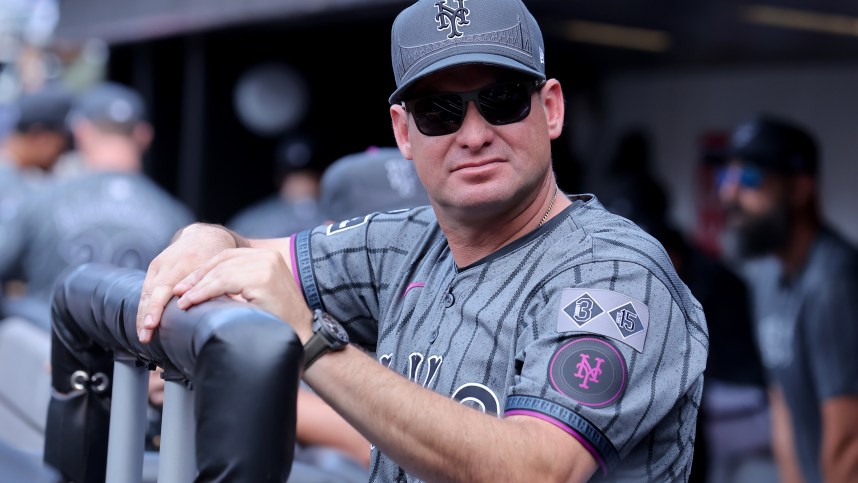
<point x="146" y="292"/>
<point x="152" y="312"/>
<point x="200" y="273"/>
<point x="211" y="286"/>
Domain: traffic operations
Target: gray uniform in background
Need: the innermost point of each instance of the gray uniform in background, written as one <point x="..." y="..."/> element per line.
<point x="274" y="217"/>
<point x="807" y="331"/>
<point x="295" y="205"/>
<point x="15" y="186"/>
<point x="118" y="218"/>
<point x="582" y="323"/>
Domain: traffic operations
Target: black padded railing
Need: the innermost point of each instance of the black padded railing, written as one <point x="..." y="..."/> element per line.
<point x="241" y="364"/>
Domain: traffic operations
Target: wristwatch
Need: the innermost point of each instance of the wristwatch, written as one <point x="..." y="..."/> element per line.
<point x="328" y="336"/>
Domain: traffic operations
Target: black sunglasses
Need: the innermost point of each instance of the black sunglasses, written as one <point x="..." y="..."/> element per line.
<point x="499" y="104"/>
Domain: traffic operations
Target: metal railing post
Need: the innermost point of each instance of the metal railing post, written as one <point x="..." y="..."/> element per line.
<point x="127" y="421"/>
<point x="178" y="462"/>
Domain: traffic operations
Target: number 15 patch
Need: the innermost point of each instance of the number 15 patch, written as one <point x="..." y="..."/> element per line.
<point x="604" y="312"/>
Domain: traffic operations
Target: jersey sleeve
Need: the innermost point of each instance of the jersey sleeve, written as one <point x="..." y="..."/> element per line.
<point x="349" y="268"/>
<point x="612" y="354"/>
<point x="831" y="332"/>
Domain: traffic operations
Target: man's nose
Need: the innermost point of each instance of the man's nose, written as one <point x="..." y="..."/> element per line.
<point x="475" y="129"/>
<point x="728" y="187"/>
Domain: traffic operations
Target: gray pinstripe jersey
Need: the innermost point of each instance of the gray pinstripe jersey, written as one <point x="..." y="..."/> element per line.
<point x="582" y="323"/>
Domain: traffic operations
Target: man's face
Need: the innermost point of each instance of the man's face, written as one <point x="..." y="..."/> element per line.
<point x="46" y="147"/>
<point x="757" y="207"/>
<point x="480" y="169"/>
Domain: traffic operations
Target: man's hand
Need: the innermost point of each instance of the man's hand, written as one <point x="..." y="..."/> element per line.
<point x="195" y="245"/>
<point x="258" y="276"/>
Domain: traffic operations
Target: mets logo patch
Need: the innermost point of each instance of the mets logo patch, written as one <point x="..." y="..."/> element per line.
<point x="589" y="370"/>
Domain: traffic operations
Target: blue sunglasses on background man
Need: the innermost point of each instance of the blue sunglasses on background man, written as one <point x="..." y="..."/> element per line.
<point x="744" y="176"/>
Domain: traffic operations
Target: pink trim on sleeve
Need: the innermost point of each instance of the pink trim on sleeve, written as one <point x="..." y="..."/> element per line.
<point x="293" y="256"/>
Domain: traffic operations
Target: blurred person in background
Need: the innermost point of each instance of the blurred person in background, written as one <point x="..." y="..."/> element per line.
<point x="294" y="207"/>
<point x="803" y="277"/>
<point x="629" y="187"/>
<point x="110" y="212"/>
<point x="39" y="136"/>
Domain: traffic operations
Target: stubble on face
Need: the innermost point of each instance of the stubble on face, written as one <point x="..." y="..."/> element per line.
<point x="759" y="234"/>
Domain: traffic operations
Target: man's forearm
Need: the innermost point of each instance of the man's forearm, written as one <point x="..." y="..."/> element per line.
<point x="783" y="444"/>
<point x="839" y="453"/>
<point x="437" y="438"/>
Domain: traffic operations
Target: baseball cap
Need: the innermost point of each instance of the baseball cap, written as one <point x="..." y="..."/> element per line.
<point x="775" y="144"/>
<point x="45" y="109"/>
<point x="431" y="35"/>
<point x="110" y="104"/>
<point x="376" y="180"/>
<point x="294" y="152"/>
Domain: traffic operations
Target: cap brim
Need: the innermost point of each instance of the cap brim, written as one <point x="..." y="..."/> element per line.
<point x="464" y="59"/>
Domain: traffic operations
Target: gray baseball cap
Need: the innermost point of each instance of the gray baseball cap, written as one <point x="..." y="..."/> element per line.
<point x="45" y="109"/>
<point x="110" y="104"/>
<point x="431" y="35"/>
<point x="375" y="180"/>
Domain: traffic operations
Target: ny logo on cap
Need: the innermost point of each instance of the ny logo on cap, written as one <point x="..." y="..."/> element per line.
<point x="449" y="18"/>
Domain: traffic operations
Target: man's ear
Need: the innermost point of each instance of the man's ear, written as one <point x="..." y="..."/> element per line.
<point x="399" y="121"/>
<point x="143" y="135"/>
<point x="555" y="107"/>
<point x="80" y="129"/>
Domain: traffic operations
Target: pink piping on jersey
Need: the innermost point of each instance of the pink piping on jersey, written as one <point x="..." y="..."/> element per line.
<point x="609" y="401"/>
<point x="586" y="444"/>
<point x="412" y="285"/>
<point x="294" y="257"/>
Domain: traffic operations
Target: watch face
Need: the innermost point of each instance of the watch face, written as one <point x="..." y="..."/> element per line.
<point x="334" y="328"/>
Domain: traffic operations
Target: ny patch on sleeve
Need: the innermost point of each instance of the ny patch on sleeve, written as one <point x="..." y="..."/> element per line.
<point x="604" y="312"/>
<point x="589" y="370"/>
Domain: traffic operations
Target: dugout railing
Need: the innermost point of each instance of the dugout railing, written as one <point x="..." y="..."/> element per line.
<point x="232" y="375"/>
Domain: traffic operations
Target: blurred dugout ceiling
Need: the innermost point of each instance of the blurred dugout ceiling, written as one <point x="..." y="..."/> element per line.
<point x="607" y="34"/>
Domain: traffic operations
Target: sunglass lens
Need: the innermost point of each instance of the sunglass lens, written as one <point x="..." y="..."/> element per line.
<point x="751" y="177"/>
<point x="438" y="115"/>
<point x="745" y="176"/>
<point x="505" y="103"/>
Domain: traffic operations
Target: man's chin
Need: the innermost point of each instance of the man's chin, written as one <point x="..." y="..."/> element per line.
<point x="749" y="250"/>
<point x="758" y="243"/>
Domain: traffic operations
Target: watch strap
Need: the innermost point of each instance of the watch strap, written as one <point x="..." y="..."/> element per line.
<point x="316" y="347"/>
